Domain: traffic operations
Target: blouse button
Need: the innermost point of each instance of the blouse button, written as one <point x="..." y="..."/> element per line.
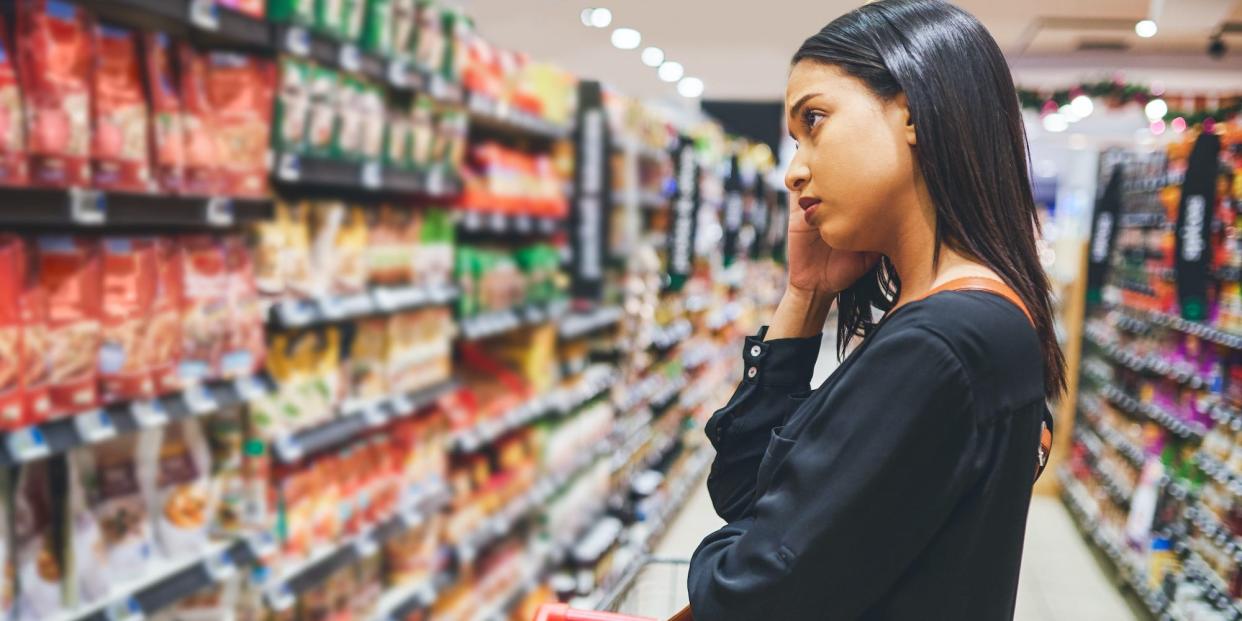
<point x="755" y="351"/>
<point x="752" y="372"/>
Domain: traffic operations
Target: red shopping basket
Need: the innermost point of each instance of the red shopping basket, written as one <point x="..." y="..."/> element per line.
<point x="562" y="612"/>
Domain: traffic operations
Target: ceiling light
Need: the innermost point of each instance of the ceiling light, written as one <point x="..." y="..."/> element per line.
<point x="671" y="71"/>
<point x="601" y="18"/>
<point x="586" y="17"/>
<point x="626" y="38"/>
<point x="1055" y="123"/>
<point x="1082" y="106"/>
<point x="653" y="57"/>
<point x="1067" y="111"/>
<point x="690" y="87"/>
<point x="1156" y="109"/>
<point x="1146" y="29"/>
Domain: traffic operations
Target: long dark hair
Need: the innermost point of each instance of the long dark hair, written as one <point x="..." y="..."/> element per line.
<point x="971" y="150"/>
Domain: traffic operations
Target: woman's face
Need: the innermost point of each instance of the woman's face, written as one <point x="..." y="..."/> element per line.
<point x="854" y="172"/>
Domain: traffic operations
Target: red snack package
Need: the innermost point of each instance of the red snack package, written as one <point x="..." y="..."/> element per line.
<point x="13" y="168"/>
<point x="163" y="334"/>
<point x="69" y="273"/>
<point x="205" y="308"/>
<point x="167" y="122"/>
<point x="128" y="292"/>
<point x="12" y="266"/>
<point x="244" y="350"/>
<point x="119" y="113"/>
<point x="54" y="60"/>
<point x="241" y="93"/>
<point x="36" y="358"/>
<point x="202" y="160"/>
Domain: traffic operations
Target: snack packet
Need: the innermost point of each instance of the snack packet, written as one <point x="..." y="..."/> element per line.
<point x="293" y="106"/>
<point x="202" y="158"/>
<point x="37" y="559"/>
<point x="69" y="274"/>
<point x="244" y="348"/>
<point x="175" y="464"/>
<point x="205" y="310"/>
<point x="240" y="93"/>
<point x="13" y="165"/>
<point x="12" y="276"/>
<point x="111" y="488"/>
<point x="119" y="143"/>
<point x="54" y="61"/>
<point x="167" y="129"/>
<point x="129" y="284"/>
<point x="34" y="352"/>
<point x="162" y="343"/>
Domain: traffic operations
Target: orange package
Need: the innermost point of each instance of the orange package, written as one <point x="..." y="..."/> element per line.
<point x="54" y="61"/>
<point x="13" y="168"/>
<point x="167" y="143"/>
<point x="163" y="333"/>
<point x="129" y="284"/>
<point x="240" y="90"/>
<point x="204" y="311"/>
<point x="70" y="275"/>
<point x="36" y="358"/>
<point x="11" y="275"/>
<point x="245" y="345"/>
<point x="201" y="175"/>
<point x="119" y="158"/>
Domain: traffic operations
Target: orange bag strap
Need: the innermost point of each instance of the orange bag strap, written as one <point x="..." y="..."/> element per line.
<point x="996" y="287"/>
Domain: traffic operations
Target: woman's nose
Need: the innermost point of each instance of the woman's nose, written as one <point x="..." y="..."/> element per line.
<point x="797" y="176"/>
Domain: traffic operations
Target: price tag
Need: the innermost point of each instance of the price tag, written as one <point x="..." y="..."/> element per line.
<point x="297" y="41"/>
<point x="94" y="426"/>
<point x="249" y="388"/>
<point x="412" y="519"/>
<point x="288" y="449"/>
<point x="294" y="313"/>
<point x="547" y="225"/>
<point x="219" y="212"/>
<point x="356" y="305"/>
<point x="350" y="58"/>
<point x="200" y="400"/>
<point x="497" y="222"/>
<point x="204" y="14"/>
<point x="523" y="224"/>
<point x="289" y="168"/>
<point x="435" y="181"/>
<point x="124" y="609"/>
<point x="427" y="593"/>
<point x="280" y="598"/>
<point x="472" y="220"/>
<point x="372" y="175"/>
<point x="87" y="207"/>
<point x="330" y="308"/>
<point x="149" y="414"/>
<point x="27" y="444"/>
<point x="262" y="544"/>
<point x="220" y="566"/>
<point x="374" y="415"/>
<point x="365" y="546"/>
<point x="399" y="73"/>
<point x="402" y="405"/>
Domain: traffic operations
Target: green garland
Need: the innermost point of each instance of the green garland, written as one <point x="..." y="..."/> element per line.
<point x="1119" y="94"/>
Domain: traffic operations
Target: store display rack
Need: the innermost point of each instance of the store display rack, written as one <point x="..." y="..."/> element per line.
<point x="93" y="209"/>
<point x="496" y="323"/>
<point x="479" y="222"/>
<point x="296" y="172"/>
<point x="491" y="115"/>
<point x="299" y="313"/>
<point x="579" y="324"/>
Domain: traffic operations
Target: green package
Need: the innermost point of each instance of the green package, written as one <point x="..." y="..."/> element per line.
<point x="467" y="304"/>
<point x="378" y="31"/>
<point x="301" y="12"/>
<point x="329" y="15"/>
<point x="398" y="140"/>
<point x="353" y="17"/>
<point x="403" y="27"/>
<point x="293" y="106"/>
<point x="371" y="107"/>
<point x="350" y="117"/>
<point x="324" y="105"/>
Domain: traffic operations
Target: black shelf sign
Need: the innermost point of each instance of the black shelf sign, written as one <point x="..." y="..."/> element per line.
<point x="1194" y="221"/>
<point x="1104" y="234"/>
<point x="685" y="215"/>
<point x="758" y="217"/>
<point x="734" y="206"/>
<point x="588" y="220"/>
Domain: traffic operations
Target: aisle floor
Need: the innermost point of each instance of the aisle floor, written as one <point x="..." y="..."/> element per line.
<point x="1062" y="580"/>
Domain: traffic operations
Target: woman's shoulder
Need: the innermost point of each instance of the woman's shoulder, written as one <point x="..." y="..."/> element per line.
<point x="989" y="336"/>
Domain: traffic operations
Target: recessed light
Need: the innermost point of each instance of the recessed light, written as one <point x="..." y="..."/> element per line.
<point x="671" y="71"/>
<point x="1146" y="28"/>
<point x="690" y="87"/>
<point x="626" y="38"/>
<point x="653" y="57"/>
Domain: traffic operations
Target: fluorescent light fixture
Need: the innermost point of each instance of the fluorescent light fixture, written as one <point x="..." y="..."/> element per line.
<point x="1146" y="29"/>
<point x="626" y="38"/>
<point x="671" y="71"/>
<point x="690" y="87"/>
<point x="653" y="57"/>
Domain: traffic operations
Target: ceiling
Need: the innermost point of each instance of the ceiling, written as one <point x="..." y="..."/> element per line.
<point x="741" y="48"/>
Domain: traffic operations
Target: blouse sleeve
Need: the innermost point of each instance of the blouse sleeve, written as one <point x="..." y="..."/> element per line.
<point x="872" y="476"/>
<point x="776" y="372"/>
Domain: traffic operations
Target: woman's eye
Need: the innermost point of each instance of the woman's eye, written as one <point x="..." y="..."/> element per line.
<point x="811" y="118"/>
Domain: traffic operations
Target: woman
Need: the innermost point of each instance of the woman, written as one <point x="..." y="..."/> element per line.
<point x="899" y="489"/>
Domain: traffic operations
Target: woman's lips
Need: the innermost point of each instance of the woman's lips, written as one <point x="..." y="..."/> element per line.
<point x="808" y="206"/>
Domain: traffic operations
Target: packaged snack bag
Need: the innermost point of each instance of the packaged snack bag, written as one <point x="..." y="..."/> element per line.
<point x="350" y="119"/>
<point x="324" y="109"/>
<point x="167" y="129"/>
<point x="119" y="146"/>
<point x="240" y="91"/>
<point x="129" y="285"/>
<point x="35" y="354"/>
<point x="54" y="62"/>
<point x="36" y="553"/>
<point x="422" y="121"/>
<point x="13" y="164"/>
<point x="202" y="158"/>
<point x="378" y="31"/>
<point x="293" y="106"/>
<point x="108" y="474"/>
<point x="353" y="18"/>
<point x="328" y="16"/>
<point x="163" y="332"/>
<point x="205" y="310"/>
<point x="244" y="348"/>
<point x="226" y="437"/>
<point x="70" y="276"/>
<point x="175" y="465"/>
<point x="370" y="103"/>
<point x="291" y="11"/>
<point x="429" y="48"/>
<point x="12" y="277"/>
<point x="403" y="27"/>
<point x="399" y="141"/>
<point x="301" y="277"/>
<point x="351" y="248"/>
<point x="88" y="563"/>
<point x="366" y="364"/>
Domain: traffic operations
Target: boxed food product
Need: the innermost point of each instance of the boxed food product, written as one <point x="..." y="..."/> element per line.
<point x="34" y="353"/>
<point x="244" y="345"/>
<point x="36" y="555"/>
<point x="167" y="127"/>
<point x="205" y="310"/>
<point x="350" y="119"/>
<point x="429" y="48"/>
<point x="69" y="272"/>
<point x="163" y="331"/>
<point x="378" y="31"/>
<point x="54" y="61"/>
<point x="291" y="11"/>
<point x="13" y="164"/>
<point x="293" y="106"/>
<point x="366" y="361"/>
<point x="370" y="104"/>
<point x="111" y="485"/>
<point x="240" y="92"/>
<point x="403" y="27"/>
<point x="201" y="175"/>
<point x="353" y="18"/>
<point x="12" y="277"/>
<point x="129" y="285"/>
<point x="119" y="147"/>
<point x="325" y="96"/>
<point x="175" y="466"/>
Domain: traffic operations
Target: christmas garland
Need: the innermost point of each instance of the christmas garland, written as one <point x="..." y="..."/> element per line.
<point x="1117" y="94"/>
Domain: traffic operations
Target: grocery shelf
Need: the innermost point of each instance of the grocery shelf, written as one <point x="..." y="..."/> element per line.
<point x="354" y="419"/>
<point x="203" y="20"/>
<point x="489" y="114"/>
<point x="297" y="171"/>
<point x="483" y="222"/>
<point x="1218" y="589"/>
<point x="1151" y="411"/>
<point x="580" y="324"/>
<point x="101" y="424"/>
<point x="496" y="323"/>
<point x="1203" y="331"/>
<point x="1218" y="533"/>
<point x="85" y="208"/>
<point x="299" y="313"/>
<point x="402" y="601"/>
<point x="1112" y="437"/>
<point x="1219" y="472"/>
<point x="1181" y="374"/>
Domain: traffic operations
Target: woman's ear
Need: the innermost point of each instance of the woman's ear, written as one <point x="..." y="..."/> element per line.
<point x="903" y="108"/>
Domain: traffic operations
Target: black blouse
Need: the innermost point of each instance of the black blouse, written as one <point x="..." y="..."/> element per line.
<point x="897" y="490"/>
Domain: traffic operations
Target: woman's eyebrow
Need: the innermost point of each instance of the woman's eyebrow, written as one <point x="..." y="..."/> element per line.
<point x="793" y="111"/>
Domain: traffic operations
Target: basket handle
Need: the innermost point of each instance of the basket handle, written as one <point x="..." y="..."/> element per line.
<point x="562" y="612"/>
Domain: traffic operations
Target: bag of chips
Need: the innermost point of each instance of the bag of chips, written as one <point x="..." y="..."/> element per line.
<point x="119" y="144"/>
<point x="54" y="60"/>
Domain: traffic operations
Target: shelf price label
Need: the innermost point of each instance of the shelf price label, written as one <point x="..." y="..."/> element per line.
<point x="249" y="388"/>
<point x="220" y="566"/>
<point x="497" y="222"/>
<point x="372" y="175"/>
<point x="219" y="211"/>
<point x="87" y="207"/>
<point x="124" y="609"/>
<point x="205" y="14"/>
<point x="435" y="181"/>
<point x="349" y="57"/>
<point x="27" y="444"/>
<point x="297" y="41"/>
<point x="399" y="73"/>
<point x="200" y="400"/>
<point x="149" y="414"/>
<point x="289" y="168"/>
<point x="94" y="426"/>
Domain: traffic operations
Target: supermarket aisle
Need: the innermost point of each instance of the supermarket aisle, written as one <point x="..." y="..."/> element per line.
<point x="1061" y="580"/>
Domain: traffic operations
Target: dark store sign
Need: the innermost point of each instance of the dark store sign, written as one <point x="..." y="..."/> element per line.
<point x="1103" y="234"/>
<point x="589" y="216"/>
<point x="1194" y="221"/>
<point x="734" y="206"/>
<point x="685" y="215"/>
